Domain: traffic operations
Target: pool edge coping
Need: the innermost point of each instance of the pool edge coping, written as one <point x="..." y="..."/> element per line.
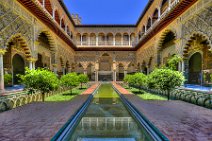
<point x="150" y="125"/>
<point x="62" y="132"/>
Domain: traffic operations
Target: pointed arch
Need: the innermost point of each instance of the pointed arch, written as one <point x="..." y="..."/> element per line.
<point x="50" y="39"/>
<point x="203" y="39"/>
<point x="23" y="43"/>
<point x="166" y="35"/>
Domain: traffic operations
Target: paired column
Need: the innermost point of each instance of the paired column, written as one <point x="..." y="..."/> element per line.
<point x="32" y="63"/>
<point x="2" y="52"/>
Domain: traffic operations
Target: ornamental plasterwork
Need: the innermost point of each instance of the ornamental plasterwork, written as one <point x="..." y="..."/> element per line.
<point x="11" y="24"/>
<point x="201" y="23"/>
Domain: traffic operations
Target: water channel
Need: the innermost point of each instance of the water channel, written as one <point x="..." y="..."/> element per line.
<point x="107" y="119"/>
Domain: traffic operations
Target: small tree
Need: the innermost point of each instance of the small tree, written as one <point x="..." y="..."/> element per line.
<point x="127" y="79"/>
<point x="139" y="79"/>
<point x="70" y="80"/>
<point x="166" y="79"/>
<point x="83" y="79"/>
<point x="41" y="80"/>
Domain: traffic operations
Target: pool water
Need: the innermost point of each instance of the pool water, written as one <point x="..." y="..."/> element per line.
<point x="198" y="87"/>
<point x="107" y="119"/>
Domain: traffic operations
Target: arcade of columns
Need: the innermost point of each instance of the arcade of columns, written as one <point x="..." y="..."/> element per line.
<point x="26" y="40"/>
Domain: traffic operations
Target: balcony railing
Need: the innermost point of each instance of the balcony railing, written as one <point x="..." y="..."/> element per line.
<point x="106" y="43"/>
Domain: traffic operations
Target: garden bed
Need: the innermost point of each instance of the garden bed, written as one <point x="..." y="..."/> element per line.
<point x="144" y="94"/>
<point x="65" y="96"/>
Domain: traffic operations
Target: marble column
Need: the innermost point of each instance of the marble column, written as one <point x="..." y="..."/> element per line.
<point x="114" y="75"/>
<point x="63" y="70"/>
<point x="114" y="40"/>
<point x="30" y="65"/>
<point x="125" y="73"/>
<point x="2" y="52"/>
<point x="33" y="65"/>
<point x="96" y="76"/>
<point x="85" y="71"/>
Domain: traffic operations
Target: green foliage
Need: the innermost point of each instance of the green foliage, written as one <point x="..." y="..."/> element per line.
<point x="140" y="79"/>
<point x="7" y="79"/>
<point x="83" y="79"/>
<point x="166" y="79"/>
<point x="211" y="77"/>
<point x="41" y="80"/>
<point x="70" y="80"/>
<point x="137" y="79"/>
<point x="127" y="79"/>
<point x="173" y="62"/>
<point x="64" y="96"/>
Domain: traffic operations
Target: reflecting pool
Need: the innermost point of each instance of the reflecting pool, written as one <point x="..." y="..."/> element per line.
<point x="107" y="119"/>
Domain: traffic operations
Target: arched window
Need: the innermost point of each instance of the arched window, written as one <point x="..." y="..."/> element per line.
<point x="110" y="38"/>
<point x="57" y="17"/>
<point x="143" y="30"/>
<point x="62" y="24"/>
<point x="102" y="39"/>
<point x="118" y="39"/>
<point x="149" y="23"/>
<point x="85" y="39"/>
<point x="125" y="39"/>
<point x="93" y="39"/>
<point x="132" y="39"/>
<point x="155" y="16"/>
<point x="164" y="6"/>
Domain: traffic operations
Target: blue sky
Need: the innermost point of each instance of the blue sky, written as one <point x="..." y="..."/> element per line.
<point x="107" y="11"/>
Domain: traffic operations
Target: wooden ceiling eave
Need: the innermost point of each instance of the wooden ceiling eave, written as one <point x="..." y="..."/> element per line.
<point x="179" y="9"/>
<point x="47" y="20"/>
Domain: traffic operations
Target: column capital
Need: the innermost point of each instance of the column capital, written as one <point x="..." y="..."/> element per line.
<point x="3" y="51"/>
<point x="31" y="59"/>
<point x="54" y="65"/>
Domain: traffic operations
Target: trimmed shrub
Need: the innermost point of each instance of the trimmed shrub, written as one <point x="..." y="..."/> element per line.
<point x="83" y="79"/>
<point x="165" y="79"/>
<point x="40" y="80"/>
<point x="70" y="80"/>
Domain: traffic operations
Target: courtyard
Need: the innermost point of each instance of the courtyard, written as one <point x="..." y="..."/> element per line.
<point x="105" y="71"/>
<point x="41" y="121"/>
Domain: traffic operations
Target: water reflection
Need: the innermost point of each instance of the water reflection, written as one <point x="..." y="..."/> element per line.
<point x="107" y="117"/>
